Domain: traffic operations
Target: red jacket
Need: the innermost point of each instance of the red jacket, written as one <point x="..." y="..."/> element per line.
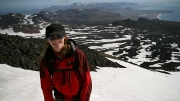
<point x="68" y="84"/>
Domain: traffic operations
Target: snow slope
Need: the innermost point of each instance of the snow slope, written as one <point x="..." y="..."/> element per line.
<point x="109" y="84"/>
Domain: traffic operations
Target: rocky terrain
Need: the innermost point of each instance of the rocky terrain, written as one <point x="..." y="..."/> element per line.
<point x="151" y="44"/>
<point x="26" y="53"/>
<point x="163" y="40"/>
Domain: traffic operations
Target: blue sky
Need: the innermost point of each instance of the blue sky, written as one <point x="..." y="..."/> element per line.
<point x="22" y="5"/>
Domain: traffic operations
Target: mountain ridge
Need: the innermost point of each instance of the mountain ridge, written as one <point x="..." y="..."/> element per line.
<point x="159" y="37"/>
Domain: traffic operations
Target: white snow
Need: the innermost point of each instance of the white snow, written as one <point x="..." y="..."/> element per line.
<point x="10" y="31"/>
<point x="109" y="84"/>
<point x="29" y="20"/>
<point x="17" y="84"/>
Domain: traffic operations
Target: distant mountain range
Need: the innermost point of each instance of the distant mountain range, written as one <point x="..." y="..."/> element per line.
<point x="158" y="38"/>
<point x="92" y="5"/>
<point x="78" y="13"/>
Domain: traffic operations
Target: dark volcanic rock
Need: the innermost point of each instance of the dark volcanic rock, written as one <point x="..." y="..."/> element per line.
<point x="11" y="18"/>
<point x="143" y="23"/>
<point x="26" y="28"/>
<point x="163" y="39"/>
<point x="39" y="18"/>
<point x="26" y="53"/>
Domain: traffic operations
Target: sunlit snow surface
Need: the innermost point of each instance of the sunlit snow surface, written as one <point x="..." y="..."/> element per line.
<point x="109" y="84"/>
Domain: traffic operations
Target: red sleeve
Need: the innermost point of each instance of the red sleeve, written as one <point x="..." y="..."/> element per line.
<point x="87" y="83"/>
<point x="46" y="82"/>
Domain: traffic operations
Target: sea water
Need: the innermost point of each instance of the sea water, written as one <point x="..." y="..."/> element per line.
<point x="171" y="6"/>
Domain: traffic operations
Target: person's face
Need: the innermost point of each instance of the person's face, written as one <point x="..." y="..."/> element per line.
<point x="56" y="42"/>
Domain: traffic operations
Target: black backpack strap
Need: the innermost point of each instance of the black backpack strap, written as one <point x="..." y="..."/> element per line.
<point x="79" y="73"/>
<point x="50" y="66"/>
<point x="76" y="60"/>
<point x="51" y="69"/>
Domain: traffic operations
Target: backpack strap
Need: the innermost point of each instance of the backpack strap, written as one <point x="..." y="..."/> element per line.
<point x="51" y="70"/>
<point x="51" y="65"/>
<point x="80" y="72"/>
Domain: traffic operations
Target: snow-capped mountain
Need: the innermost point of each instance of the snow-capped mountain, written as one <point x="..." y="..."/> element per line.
<point x="154" y="48"/>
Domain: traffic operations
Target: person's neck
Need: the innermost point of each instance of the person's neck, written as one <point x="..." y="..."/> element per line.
<point x="56" y="51"/>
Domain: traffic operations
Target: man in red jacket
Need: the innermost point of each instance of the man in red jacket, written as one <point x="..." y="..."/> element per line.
<point x="64" y="69"/>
